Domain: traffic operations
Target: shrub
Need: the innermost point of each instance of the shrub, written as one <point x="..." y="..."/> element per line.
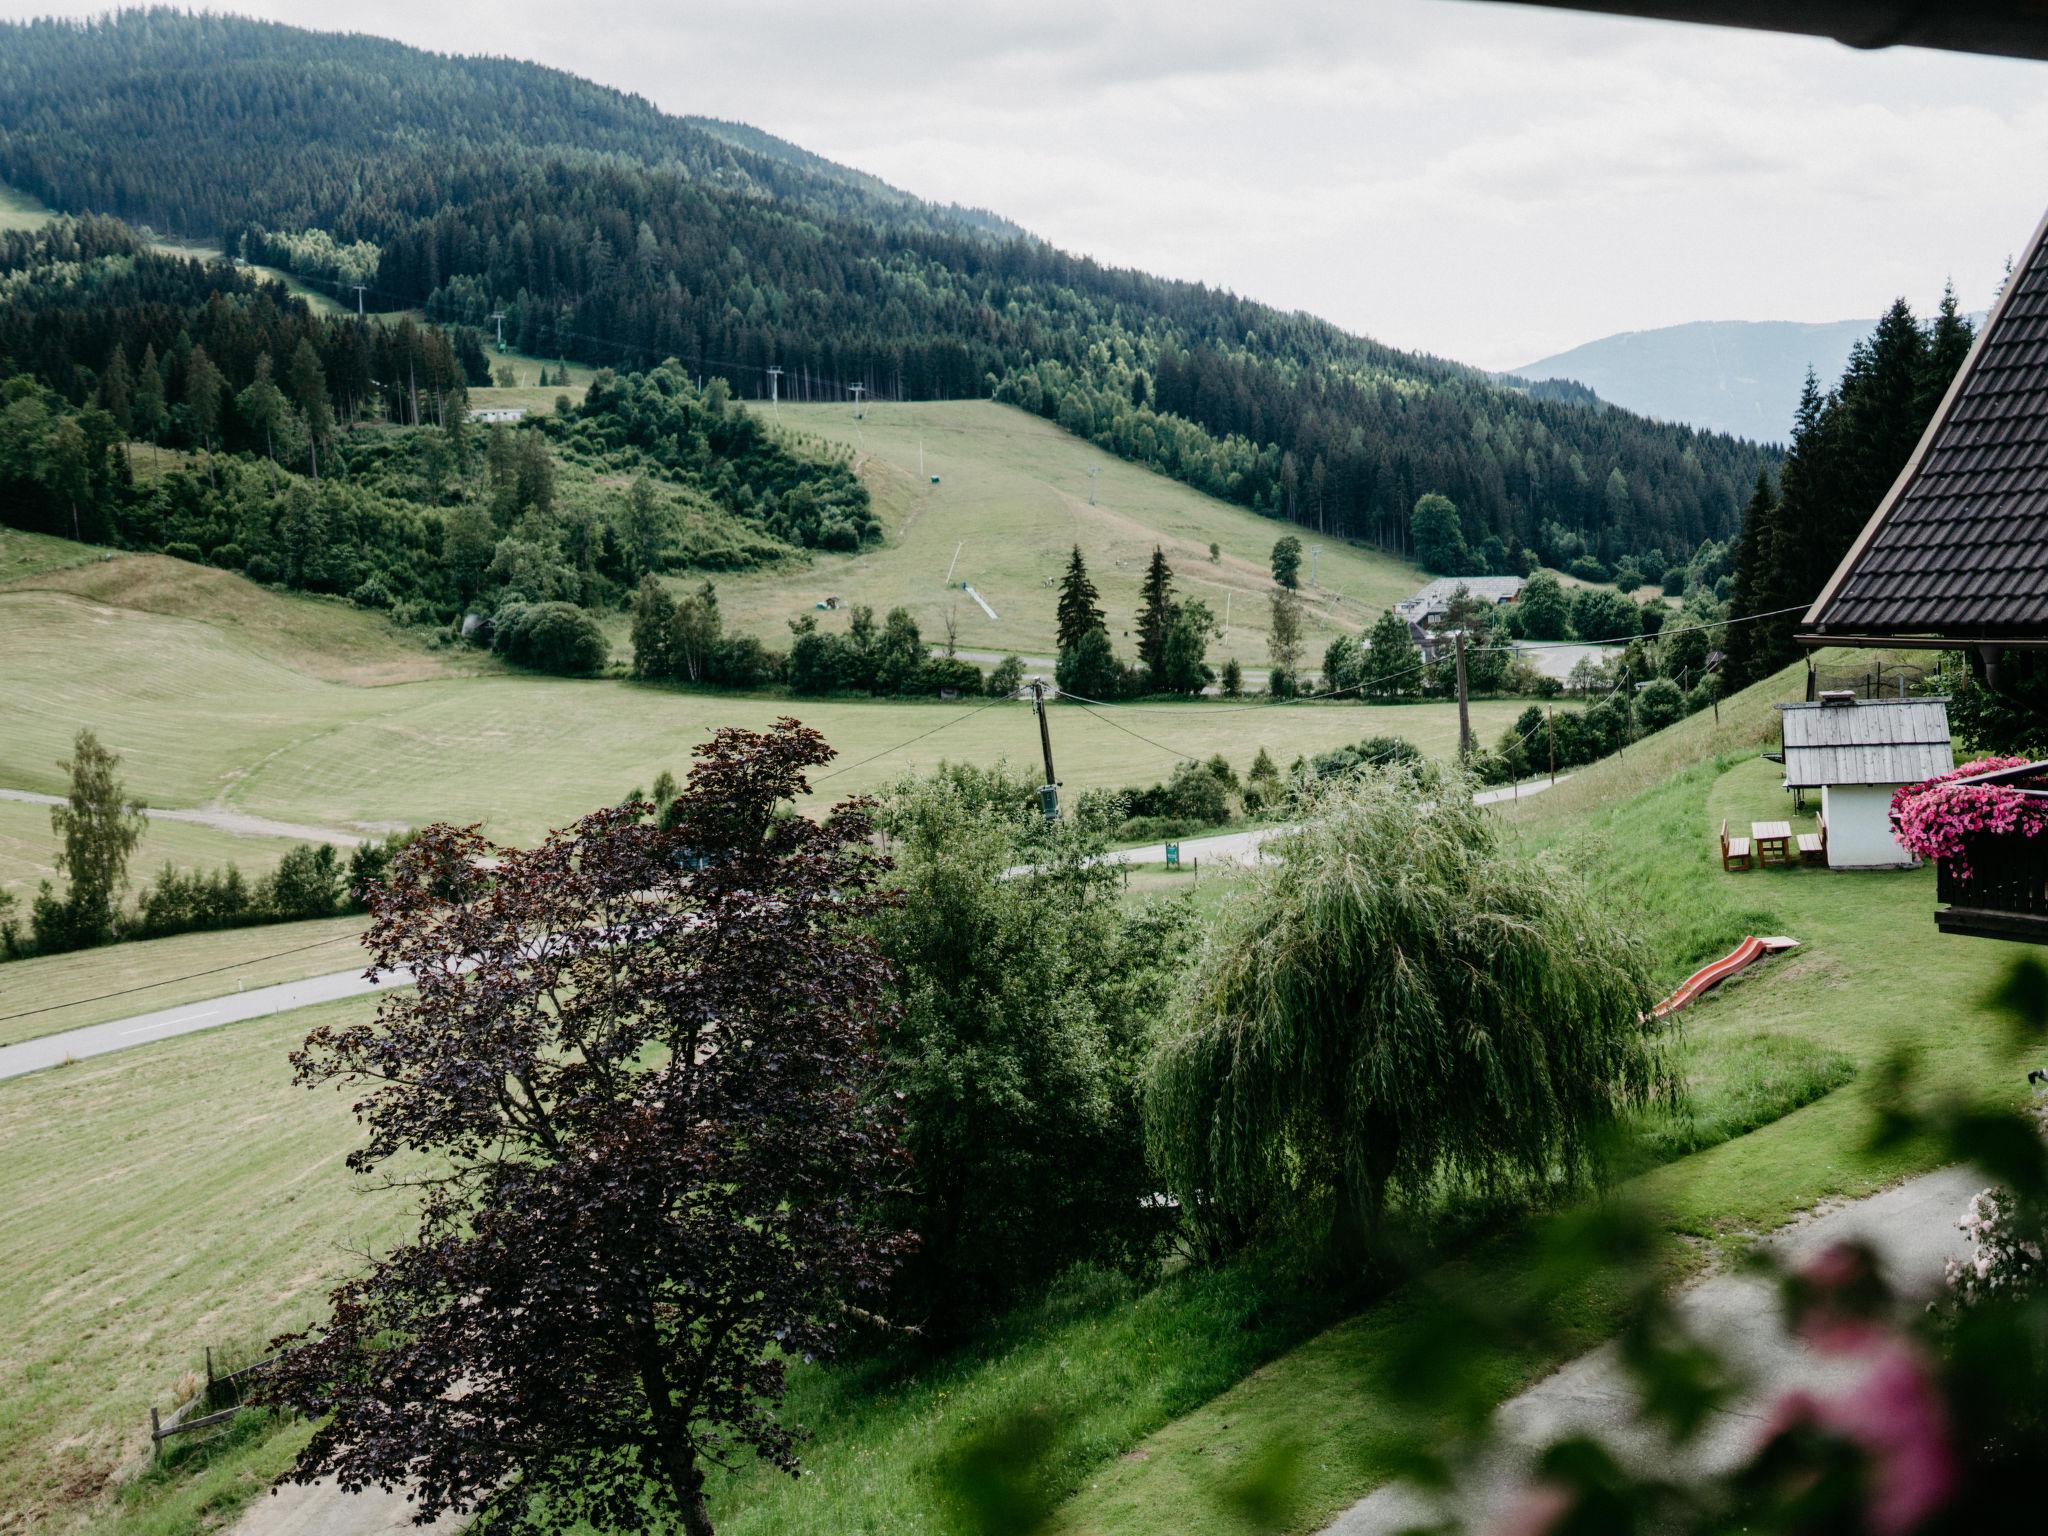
<point x="937" y="672"/>
<point x="229" y="557"/>
<point x="184" y="551"/>
<point x="1005" y="677"/>
<point x="550" y="637"/>
<point x="261" y="568"/>
<point x="1026" y="1004"/>
<point x="371" y="593"/>
<point x="308" y="882"/>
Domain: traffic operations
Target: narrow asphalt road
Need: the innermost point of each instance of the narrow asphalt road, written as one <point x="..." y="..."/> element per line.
<point x="1912" y="1229"/>
<point x="167" y="1023"/>
<point x="240" y="823"/>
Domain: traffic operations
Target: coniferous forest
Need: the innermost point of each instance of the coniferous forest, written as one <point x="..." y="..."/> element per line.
<point x="607" y="231"/>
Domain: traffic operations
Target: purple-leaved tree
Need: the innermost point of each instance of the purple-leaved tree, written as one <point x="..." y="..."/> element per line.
<point x="639" y="1068"/>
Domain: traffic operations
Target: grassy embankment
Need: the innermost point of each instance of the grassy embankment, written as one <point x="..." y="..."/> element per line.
<point x="158" y="1202"/>
<point x="47" y="994"/>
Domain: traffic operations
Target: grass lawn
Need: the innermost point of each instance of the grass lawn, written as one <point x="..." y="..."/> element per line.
<point x="158" y="1202"/>
<point x="1012" y="499"/>
<point x="49" y="993"/>
<point x="228" y="693"/>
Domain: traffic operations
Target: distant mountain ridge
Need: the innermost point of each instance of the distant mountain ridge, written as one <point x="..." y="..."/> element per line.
<point x="1736" y="376"/>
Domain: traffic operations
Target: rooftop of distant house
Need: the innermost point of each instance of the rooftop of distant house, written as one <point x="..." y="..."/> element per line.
<point x="1435" y="599"/>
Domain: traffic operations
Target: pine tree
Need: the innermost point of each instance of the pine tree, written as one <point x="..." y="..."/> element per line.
<point x="1077" y="611"/>
<point x="1155" y="618"/>
<point x="117" y="391"/>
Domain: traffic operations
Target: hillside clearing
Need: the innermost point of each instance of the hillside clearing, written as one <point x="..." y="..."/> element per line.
<point x="1012" y="497"/>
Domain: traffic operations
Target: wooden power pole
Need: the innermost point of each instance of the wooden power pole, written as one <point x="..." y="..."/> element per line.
<point x="1049" y="796"/>
<point x="1464" y="703"/>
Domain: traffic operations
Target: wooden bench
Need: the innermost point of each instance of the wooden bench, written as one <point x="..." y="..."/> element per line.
<point x="1813" y="846"/>
<point x="1734" y="850"/>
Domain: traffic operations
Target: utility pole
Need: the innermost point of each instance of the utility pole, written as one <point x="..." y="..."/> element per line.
<point x="1314" y="553"/>
<point x="359" y="298"/>
<point x="1464" y="703"/>
<point x="1550" y="721"/>
<point x="774" y="391"/>
<point x="1049" y="795"/>
<point x="1091" y="485"/>
<point x="499" y="316"/>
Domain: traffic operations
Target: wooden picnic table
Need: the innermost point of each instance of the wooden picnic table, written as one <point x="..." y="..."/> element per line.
<point x="1773" y="841"/>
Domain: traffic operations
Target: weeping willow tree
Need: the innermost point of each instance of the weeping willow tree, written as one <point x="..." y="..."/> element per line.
<point x="1398" y="1008"/>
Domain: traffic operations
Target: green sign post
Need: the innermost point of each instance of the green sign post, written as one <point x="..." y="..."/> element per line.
<point x="1173" y="855"/>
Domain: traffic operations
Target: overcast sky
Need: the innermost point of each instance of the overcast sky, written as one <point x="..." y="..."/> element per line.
<point x="1479" y="181"/>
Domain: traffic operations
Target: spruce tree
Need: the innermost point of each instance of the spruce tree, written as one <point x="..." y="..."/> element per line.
<point x="1757" y="581"/>
<point x="1948" y="343"/>
<point x="1155" y="618"/>
<point x="1077" y="612"/>
<point x="149" y="409"/>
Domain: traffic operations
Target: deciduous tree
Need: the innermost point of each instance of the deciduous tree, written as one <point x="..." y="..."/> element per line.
<point x="640" y="1065"/>
<point x="1399" y="1005"/>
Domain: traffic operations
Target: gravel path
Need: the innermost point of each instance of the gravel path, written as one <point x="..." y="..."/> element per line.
<point x="1912" y="1228"/>
<point x="240" y="823"/>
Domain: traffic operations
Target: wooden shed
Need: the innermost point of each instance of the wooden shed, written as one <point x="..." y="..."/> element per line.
<point x="1856" y="752"/>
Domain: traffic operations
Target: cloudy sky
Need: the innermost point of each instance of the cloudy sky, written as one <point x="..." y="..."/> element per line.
<point x="1475" y="180"/>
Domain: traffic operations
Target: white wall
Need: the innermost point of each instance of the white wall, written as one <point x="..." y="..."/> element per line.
<point x="1859" y="826"/>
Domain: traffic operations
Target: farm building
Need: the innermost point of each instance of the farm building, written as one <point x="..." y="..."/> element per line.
<point x="1427" y="608"/>
<point x="491" y="415"/>
<point x="1856" y="752"/>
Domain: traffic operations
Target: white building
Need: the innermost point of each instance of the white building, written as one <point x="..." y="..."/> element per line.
<point x="490" y="415"/>
<point x="1856" y="752"/>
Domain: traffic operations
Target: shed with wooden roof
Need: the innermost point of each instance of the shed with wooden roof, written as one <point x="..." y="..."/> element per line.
<point x="1857" y="752"/>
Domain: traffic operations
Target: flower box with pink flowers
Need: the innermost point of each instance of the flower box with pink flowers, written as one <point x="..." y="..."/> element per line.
<point x="1985" y="825"/>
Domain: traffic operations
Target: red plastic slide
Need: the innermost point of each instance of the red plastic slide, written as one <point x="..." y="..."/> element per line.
<point x="1747" y="953"/>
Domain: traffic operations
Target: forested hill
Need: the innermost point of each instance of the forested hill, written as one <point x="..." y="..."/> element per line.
<point x="608" y="231"/>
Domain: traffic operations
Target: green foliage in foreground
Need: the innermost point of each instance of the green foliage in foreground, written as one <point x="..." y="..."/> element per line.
<point x="1027" y="1002"/>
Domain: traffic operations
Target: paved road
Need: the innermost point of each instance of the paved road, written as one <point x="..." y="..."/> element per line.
<point x="1243" y="847"/>
<point x="1911" y="1226"/>
<point x="166" y="1023"/>
<point x="322" y="1509"/>
<point x="240" y="823"/>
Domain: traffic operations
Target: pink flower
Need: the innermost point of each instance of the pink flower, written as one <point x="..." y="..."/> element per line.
<point x="1537" y="1511"/>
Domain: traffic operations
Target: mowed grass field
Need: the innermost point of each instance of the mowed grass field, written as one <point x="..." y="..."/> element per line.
<point x="47" y="994"/>
<point x="158" y="1202"/>
<point x="30" y="852"/>
<point x="1012" y="499"/>
<point x="203" y="713"/>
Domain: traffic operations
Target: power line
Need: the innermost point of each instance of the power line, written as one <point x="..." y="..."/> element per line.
<point x="79" y="1002"/>
<point x="912" y="741"/>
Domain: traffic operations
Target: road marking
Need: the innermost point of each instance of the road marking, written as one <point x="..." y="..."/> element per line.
<point x="172" y="1023"/>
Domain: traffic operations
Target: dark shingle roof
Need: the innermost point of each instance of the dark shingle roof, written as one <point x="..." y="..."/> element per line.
<point x="1959" y="547"/>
